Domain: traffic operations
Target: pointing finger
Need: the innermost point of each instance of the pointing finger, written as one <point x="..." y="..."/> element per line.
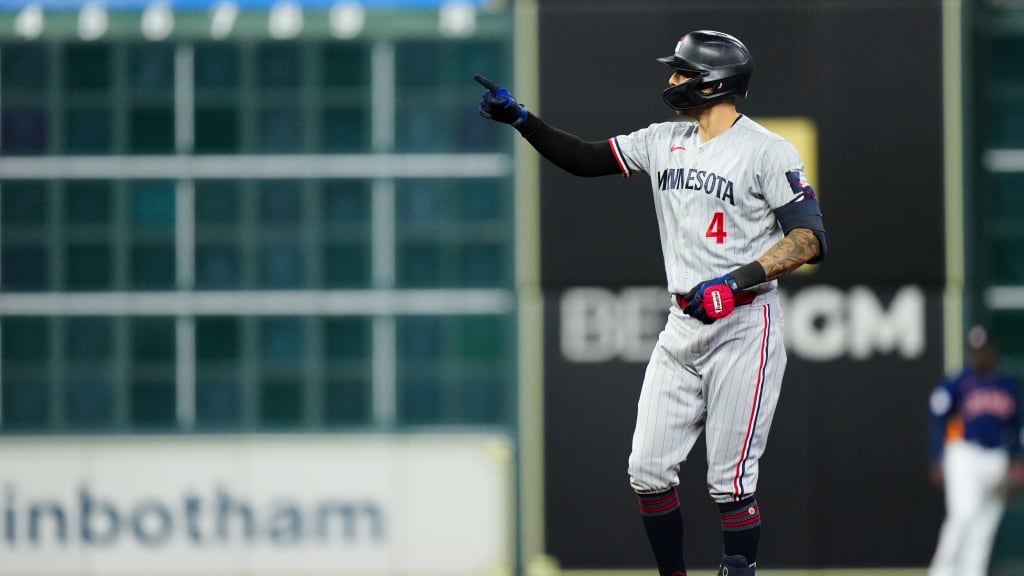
<point x="483" y="81"/>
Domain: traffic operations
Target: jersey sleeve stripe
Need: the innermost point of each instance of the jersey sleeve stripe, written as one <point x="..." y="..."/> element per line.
<point x="617" y="152"/>
<point x="755" y="410"/>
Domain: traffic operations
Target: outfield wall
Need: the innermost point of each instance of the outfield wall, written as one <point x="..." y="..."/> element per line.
<point x="386" y="505"/>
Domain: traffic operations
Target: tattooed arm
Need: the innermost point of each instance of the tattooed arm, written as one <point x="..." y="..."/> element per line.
<point x="798" y="247"/>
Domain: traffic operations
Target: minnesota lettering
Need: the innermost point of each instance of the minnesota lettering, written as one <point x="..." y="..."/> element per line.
<point x="690" y="179"/>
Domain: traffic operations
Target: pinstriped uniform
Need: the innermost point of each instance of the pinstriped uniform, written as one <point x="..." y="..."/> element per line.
<point x="714" y="202"/>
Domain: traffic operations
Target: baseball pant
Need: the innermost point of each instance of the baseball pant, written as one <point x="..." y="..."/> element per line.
<point x="724" y="378"/>
<point x="975" y="500"/>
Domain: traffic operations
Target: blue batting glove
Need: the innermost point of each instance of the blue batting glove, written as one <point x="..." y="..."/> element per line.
<point x="498" y="104"/>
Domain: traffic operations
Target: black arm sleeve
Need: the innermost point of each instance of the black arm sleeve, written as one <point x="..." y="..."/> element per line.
<point x="804" y="214"/>
<point x="569" y="152"/>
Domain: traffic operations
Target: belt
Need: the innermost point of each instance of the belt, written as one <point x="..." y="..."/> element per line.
<point x="739" y="299"/>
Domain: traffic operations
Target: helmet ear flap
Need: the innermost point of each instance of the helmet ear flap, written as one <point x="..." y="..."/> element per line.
<point x="686" y="96"/>
<point x="689" y="95"/>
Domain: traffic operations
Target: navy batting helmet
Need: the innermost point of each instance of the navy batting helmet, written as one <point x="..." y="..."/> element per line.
<point x="711" y="58"/>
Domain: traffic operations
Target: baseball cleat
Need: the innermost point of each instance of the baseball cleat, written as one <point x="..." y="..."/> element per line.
<point x="735" y="566"/>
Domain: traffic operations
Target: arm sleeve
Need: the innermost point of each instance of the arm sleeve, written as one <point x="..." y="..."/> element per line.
<point x="941" y="405"/>
<point x="1017" y="433"/>
<point x="804" y="214"/>
<point x="569" y="152"/>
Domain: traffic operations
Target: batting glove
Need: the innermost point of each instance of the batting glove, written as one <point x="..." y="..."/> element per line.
<point x="712" y="299"/>
<point x="498" y="105"/>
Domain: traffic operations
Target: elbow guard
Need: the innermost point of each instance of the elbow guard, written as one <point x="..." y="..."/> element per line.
<point x="804" y="213"/>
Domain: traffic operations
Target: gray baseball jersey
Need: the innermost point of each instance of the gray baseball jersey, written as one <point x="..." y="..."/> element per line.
<point x="714" y="200"/>
<point x="715" y="205"/>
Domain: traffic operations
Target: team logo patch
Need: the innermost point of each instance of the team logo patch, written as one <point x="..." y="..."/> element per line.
<point x="798" y="182"/>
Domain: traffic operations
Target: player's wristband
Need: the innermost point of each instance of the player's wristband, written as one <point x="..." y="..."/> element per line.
<point x="529" y="125"/>
<point x="749" y="275"/>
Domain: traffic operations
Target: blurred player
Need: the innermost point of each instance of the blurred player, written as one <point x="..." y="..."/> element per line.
<point x="976" y="453"/>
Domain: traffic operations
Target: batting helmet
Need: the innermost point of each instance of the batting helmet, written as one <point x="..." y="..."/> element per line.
<point x="712" y="58"/>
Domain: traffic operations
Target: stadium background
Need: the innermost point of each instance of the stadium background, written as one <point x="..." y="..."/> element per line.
<point x="263" y="269"/>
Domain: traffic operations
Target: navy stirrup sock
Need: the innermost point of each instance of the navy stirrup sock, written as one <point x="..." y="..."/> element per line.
<point x="741" y="528"/>
<point x="663" y="522"/>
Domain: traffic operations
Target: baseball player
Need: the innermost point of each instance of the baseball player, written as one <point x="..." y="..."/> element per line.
<point x="735" y="212"/>
<point x="976" y="453"/>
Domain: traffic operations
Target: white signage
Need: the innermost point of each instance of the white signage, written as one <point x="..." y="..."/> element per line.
<point x="822" y="323"/>
<point x="388" y="505"/>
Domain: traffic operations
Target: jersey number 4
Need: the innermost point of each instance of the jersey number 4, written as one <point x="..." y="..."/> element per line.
<point x="716" y="229"/>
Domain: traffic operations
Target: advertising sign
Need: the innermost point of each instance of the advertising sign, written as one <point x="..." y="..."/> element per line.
<point x="256" y="505"/>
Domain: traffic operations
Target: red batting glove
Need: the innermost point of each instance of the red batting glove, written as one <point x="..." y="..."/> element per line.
<point x="711" y="300"/>
<point x="717" y="301"/>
